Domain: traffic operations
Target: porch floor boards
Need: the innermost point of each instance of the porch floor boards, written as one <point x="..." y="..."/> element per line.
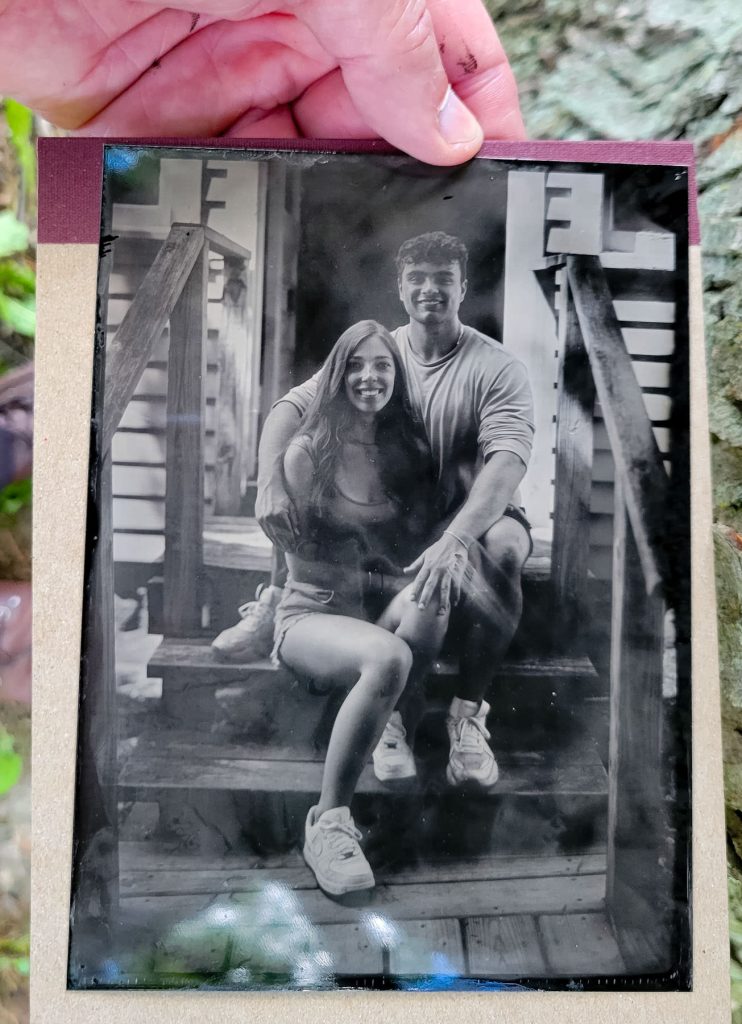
<point x="494" y="918"/>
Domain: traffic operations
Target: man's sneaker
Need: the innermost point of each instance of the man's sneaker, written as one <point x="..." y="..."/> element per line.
<point x="392" y="757"/>
<point x="332" y="852"/>
<point x="252" y="637"/>
<point x="471" y="759"/>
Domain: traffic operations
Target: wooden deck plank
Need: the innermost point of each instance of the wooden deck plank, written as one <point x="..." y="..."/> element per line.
<point x="167" y="772"/>
<point x="428" y="947"/>
<point x="504" y="947"/>
<point x="580" y="944"/>
<point x="352" y="949"/>
<point x="163" y="878"/>
<point x="645" y="951"/>
<point x="551" y="895"/>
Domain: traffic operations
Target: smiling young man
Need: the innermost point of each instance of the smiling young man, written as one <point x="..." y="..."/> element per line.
<point x="475" y="402"/>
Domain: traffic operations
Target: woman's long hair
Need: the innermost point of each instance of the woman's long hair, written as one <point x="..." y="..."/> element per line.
<point x="405" y="463"/>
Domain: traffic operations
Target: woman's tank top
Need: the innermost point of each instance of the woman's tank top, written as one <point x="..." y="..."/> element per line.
<point x="358" y="523"/>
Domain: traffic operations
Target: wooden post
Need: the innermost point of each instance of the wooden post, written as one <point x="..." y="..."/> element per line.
<point x="95" y="883"/>
<point x="230" y="423"/>
<point x="573" y="469"/>
<point x="95" y="868"/>
<point x="635" y="452"/>
<point x="638" y="888"/>
<point x="281" y="270"/>
<point x="184" y="502"/>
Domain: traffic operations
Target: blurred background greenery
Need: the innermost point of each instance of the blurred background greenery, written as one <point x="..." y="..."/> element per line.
<point x="17" y="327"/>
<point x="615" y="69"/>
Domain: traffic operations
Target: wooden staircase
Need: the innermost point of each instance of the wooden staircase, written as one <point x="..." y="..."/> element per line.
<point x="549" y="718"/>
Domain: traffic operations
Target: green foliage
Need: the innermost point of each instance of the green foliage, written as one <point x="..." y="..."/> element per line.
<point x="20" y="127"/>
<point x="11" y="763"/>
<point x="19" y="315"/>
<point x="17" y="275"/>
<point x="13" y="498"/>
<point x="17" y="280"/>
<point x="13" y="234"/>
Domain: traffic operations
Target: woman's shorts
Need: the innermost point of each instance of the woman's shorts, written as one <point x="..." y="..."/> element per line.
<point x="302" y="599"/>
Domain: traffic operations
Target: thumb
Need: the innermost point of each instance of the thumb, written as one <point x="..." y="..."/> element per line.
<point x="389" y="58"/>
<point x="415" y="565"/>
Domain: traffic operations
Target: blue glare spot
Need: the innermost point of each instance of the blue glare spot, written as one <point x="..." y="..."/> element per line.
<point x="118" y="161"/>
<point x="109" y="971"/>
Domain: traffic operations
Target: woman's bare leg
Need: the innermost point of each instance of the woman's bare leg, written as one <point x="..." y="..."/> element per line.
<point x="375" y="664"/>
<point x="423" y="631"/>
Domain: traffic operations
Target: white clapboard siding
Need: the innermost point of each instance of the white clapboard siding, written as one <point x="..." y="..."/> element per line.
<point x="150" y="413"/>
<point x="160" y="348"/>
<point x="151" y="481"/>
<point x="649" y="341"/>
<point x="652" y="375"/>
<point x="139" y="446"/>
<point x="648" y="328"/>
<point x="134" y="448"/>
<point x="118" y="307"/>
<point x="138" y="547"/>
<point x="138" y="481"/>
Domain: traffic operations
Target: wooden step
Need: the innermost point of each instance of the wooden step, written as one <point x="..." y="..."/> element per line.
<point x="195" y="659"/>
<point x="167" y="769"/>
<point x="156" y="868"/>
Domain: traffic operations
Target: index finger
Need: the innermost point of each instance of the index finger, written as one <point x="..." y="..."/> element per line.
<point x="419" y="582"/>
<point x="432" y="584"/>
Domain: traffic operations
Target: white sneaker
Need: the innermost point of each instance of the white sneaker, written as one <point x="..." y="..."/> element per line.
<point x="332" y="852"/>
<point x="252" y="637"/>
<point x="392" y="756"/>
<point x="471" y="759"/>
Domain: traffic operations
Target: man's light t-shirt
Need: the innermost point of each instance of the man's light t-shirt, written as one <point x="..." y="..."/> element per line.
<point x="474" y="401"/>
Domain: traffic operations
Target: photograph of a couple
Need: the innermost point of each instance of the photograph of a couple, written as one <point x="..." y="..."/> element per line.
<point x="386" y="676"/>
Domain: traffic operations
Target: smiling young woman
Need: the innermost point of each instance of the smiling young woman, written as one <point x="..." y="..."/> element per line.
<point x="361" y="477"/>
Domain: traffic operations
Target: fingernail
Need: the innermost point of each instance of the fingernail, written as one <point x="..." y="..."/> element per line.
<point x="421" y="606"/>
<point x="457" y="123"/>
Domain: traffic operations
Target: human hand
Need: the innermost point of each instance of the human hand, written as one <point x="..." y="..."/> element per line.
<point x="441" y="568"/>
<point x="275" y="511"/>
<point x="265" y="69"/>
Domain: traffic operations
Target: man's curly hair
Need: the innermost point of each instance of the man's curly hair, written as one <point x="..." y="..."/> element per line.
<point x="433" y="247"/>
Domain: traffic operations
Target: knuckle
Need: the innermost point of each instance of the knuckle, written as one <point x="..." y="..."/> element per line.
<point x="409" y="25"/>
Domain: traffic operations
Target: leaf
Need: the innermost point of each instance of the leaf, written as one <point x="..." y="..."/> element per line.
<point x="17" y="278"/>
<point x="13" y="234"/>
<point x="14" y="497"/>
<point x="19" y="314"/>
<point x="11" y="766"/>
<point x="20" y="125"/>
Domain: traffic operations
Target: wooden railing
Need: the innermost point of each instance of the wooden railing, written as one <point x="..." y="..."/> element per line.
<point x="174" y="289"/>
<point x="595" y="362"/>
